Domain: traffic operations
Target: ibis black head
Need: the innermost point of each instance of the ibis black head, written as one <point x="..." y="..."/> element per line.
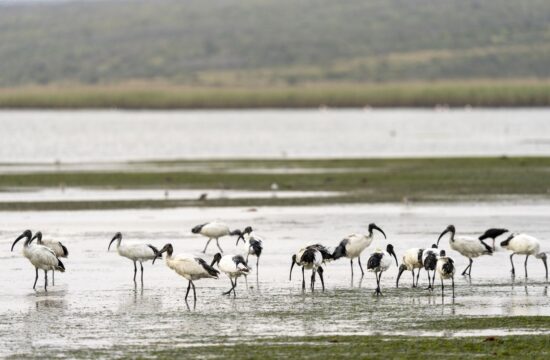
<point x="216" y="259"/>
<point x="247" y="230"/>
<point x="165" y="249"/>
<point x="38" y="236"/>
<point x="389" y="250"/>
<point x="442" y="253"/>
<point x="434" y="246"/>
<point x="506" y="242"/>
<point x="450" y="228"/>
<point x="26" y="234"/>
<point x="118" y="236"/>
<point x="239" y="234"/>
<point x="372" y="226"/>
<point x="292" y="265"/>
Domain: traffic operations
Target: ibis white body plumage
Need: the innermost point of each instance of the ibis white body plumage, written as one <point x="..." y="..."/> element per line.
<point x="56" y="246"/>
<point x="523" y="244"/>
<point x="136" y="252"/>
<point x="412" y="259"/>
<point x="466" y="246"/>
<point x="233" y="266"/>
<point x="213" y="230"/>
<point x="446" y="270"/>
<point x="312" y="258"/>
<point x="353" y="245"/>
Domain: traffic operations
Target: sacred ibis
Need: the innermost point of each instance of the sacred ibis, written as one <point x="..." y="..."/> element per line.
<point x="253" y="243"/>
<point x="446" y="270"/>
<point x="466" y="246"/>
<point x="190" y="267"/>
<point x="312" y="258"/>
<point x="492" y="234"/>
<point x="40" y="256"/>
<point x="56" y="246"/>
<point x="379" y="262"/>
<point x="429" y="262"/>
<point x="412" y="259"/>
<point x="353" y="245"/>
<point x="213" y="230"/>
<point x="523" y="244"/>
<point x="233" y="266"/>
<point x="137" y="252"/>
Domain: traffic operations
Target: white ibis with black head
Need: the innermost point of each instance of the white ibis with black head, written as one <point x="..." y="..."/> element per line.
<point x="466" y="246"/>
<point x="137" y="252"/>
<point x="190" y="267"/>
<point x="492" y="234"/>
<point x="379" y="262"/>
<point x="446" y="269"/>
<point x="40" y="257"/>
<point x="214" y="230"/>
<point x="429" y="262"/>
<point x="353" y="245"/>
<point x="311" y="257"/>
<point x="412" y="259"/>
<point x="56" y="246"/>
<point x="523" y="244"/>
<point x="233" y="266"/>
<point x="254" y="244"/>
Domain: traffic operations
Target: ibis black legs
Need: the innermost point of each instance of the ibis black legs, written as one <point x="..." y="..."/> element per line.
<point x="45" y="280"/>
<point x="468" y="268"/>
<point x="360" y="266"/>
<point x="206" y="247"/>
<point x="431" y="280"/>
<point x="218" y="245"/>
<point x="443" y="286"/>
<point x="35" y="279"/>
<point x="135" y="271"/>
<point x="512" y="262"/>
<point x="233" y="286"/>
<point x="378" y="277"/>
<point x="303" y="279"/>
<point x="53" y="277"/>
<point x="527" y="257"/>
<point x="189" y="288"/>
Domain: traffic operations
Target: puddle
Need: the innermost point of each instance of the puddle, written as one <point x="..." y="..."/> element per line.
<point x="95" y="303"/>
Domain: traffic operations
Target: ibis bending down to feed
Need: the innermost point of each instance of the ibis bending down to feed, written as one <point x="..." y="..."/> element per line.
<point x="214" y="230"/>
<point x="137" y="252"/>
<point x="412" y="259"/>
<point x="353" y="245"/>
<point x="40" y="256"/>
<point x="492" y="234"/>
<point x="56" y="246"/>
<point x="253" y="243"/>
<point x="523" y="244"/>
<point x="311" y="257"/>
<point x="190" y="267"/>
<point x="429" y="262"/>
<point x="379" y="262"/>
<point x="446" y="270"/>
<point x="466" y="246"/>
<point x="233" y="266"/>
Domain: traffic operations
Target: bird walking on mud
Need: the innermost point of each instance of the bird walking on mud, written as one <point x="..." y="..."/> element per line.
<point x="233" y="266"/>
<point x="137" y="252"/>
<point x="446" y="270"/>
<point x="56" y="246"/>
<point x="214" y="230"/>
<point x="379" y="262"/>
<point x="523" y="244"/>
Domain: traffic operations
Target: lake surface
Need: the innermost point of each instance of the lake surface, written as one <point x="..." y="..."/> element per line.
<point x="86" y="136"/>
<point x="95" y="305"/>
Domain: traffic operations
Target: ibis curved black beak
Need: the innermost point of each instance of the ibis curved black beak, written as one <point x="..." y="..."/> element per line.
<point x="440" y="236"/>
<point x="117" y="236"/>
<point x="241" y="237"/>
<point x="37" y="236"/>
<point x="374" y="226"/>
<point x="158" y="255"/>
<point x="395" y="257"/>
<point x="26" y="234"/>
<point x="402" y="268"/>
<point x="291" y="266"/>
<point x="216" y="259"/>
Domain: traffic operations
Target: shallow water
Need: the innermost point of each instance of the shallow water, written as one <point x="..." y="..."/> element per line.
<point x="84" y="136"/>
<point x="95" y="303"/>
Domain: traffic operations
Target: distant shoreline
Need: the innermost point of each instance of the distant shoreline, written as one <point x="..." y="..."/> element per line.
<point x="441" y="94"/>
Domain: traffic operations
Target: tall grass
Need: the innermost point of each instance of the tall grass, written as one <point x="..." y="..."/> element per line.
<point x="163" y="96"/>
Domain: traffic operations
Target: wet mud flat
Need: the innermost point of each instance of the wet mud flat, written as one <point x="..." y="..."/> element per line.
<point x="95" y="308"/>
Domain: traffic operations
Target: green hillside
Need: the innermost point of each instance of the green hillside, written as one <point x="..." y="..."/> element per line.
<point x="272" y="42"/>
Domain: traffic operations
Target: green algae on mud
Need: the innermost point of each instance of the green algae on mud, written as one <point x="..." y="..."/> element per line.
<point x="352" y="347"/>
<point x="362" y="180"/>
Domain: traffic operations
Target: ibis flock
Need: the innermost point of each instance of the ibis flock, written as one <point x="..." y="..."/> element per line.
<point x="45" y="254"/>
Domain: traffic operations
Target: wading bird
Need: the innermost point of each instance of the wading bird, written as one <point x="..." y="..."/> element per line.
<point x="446" y="270"/>
<point x="492" y="234"/>
<point x="523" y="244"/>
<point x="56" y="246"/>
<point x="253" y="243"/>
<point x="40" y="257"/>
<point x="412" y="259"/>
<point x="429" y="261"/>
<point x="311" y="258"/>
<point x="466" y="246"/>
<point x="379" y="262"/>
<point x="190" y="267"/>
<point x="353" y="245"/>
<point x="214" y="230"/>
<point x="137" y="252"/>
<point x="233" y="266"/>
